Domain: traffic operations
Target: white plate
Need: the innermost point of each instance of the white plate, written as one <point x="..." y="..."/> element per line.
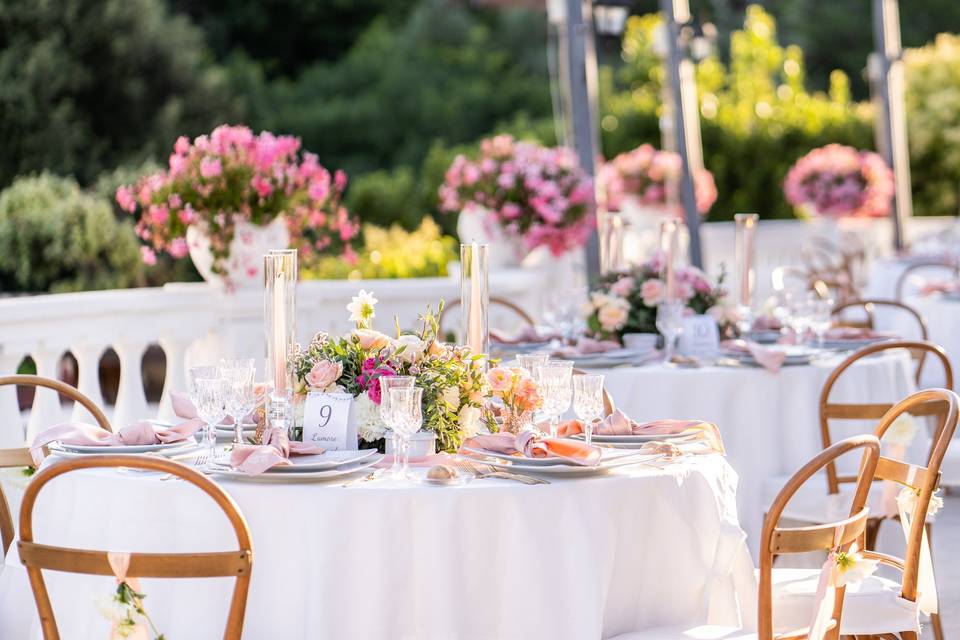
<point x="607" y="456"/>
<point x="625" y="458"/>
<point x="639" y="438"/>
<point x="305" y="476"/>
<point x="123" y="448"/>
<point x="323" y="461"/>
<point x="182" y="450"/>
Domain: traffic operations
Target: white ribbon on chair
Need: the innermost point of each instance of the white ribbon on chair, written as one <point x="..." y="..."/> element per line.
<point x="926" y="580"/>
<point x="826" y="596"/>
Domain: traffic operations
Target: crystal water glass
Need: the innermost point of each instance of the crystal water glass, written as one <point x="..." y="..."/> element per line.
<point x="241" y="396"/>
<point x="588" y="401"/>
<point x="530" y="362"/>
<point x="670" y="326"/>
<point x="205" y="372"/>
<point x="386" y="415"/>
<point x="820" y="317"/>
<point x="555" y="389"/>
<point x="211" y="403"/>
<point x="406" y="408"/>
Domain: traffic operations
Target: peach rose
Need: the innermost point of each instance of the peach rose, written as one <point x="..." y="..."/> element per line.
<point x="370" y="339"/>
<point x="324" y="374"/>
<point x="652" y="292"/>
<point x="499" y="378"/>
<point x="613" y="315"/>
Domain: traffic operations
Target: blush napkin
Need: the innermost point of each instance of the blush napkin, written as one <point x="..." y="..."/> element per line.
<point x="276" y="450"/>
<point x="618" y="424"/>
<point x="532" y="445"/>
<point x="769" y="359"/>
<point x="138" y="433"/>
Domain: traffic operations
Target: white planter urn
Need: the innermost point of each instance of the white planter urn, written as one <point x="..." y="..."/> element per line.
<point x="244" y="265"/>
<point x="478" y="224"/>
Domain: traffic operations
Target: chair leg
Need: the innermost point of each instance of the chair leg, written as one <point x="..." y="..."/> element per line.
<point x="872" y="533"/>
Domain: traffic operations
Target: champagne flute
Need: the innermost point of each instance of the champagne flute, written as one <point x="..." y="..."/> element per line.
<point x="588" y="401"/>
<point x="406" y="407"/>
<point x="554" y="385"/>
<point x="241" y="397"/>
<point x="386" y="414"/>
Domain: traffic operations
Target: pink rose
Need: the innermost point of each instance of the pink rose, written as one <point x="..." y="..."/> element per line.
<point x="652" y="292"/>
<point x="324" y="374"/>
<point x="370" y="339"/>
<point x="623" y="286"/>
<point x="499" y="378"/>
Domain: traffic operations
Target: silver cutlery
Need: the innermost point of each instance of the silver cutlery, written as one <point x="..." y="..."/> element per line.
<point x="480" y="471"/>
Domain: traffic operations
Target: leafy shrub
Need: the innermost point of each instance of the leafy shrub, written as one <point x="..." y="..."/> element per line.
<point x="55" y="237"/>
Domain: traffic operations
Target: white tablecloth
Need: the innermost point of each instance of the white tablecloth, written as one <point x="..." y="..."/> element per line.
<point x="769" y="422"/>
<point x="492" y="560"/>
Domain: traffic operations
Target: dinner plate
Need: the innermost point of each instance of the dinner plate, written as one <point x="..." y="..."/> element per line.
<point x="607" y="456"/>
<point x="305" y="476"/>
<point x="640" y="438"/>
<point x="626" y="458"/>
<point x="182" y="450"/>
<point x="124" y="448"/>
<point x="323" y="461"/>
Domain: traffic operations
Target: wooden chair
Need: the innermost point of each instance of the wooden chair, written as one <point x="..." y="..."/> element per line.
<point x="36" y="557"/>
<point x="865" y="612"/>
<point x="869" y="307"/>
<point x="775" y="540"/>
<point x="939" y="265"/>
<point x="495" y="301"/>
<point x="608" y="405"/>
<point x="20" y="457"/>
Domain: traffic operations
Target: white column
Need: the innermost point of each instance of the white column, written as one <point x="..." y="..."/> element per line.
<point x="46" y="410"/>
<point x="11" y="425"/>
<point x="88" y="379"/>
<point x="131" y="400"/>
<point x="175" y="349"/>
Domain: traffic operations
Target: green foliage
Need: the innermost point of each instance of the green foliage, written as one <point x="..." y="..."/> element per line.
<point x="756" y="116"/>
<point x="384" y="197"/>
<point x="55" y="237"/>
<point x="86" y="85"/>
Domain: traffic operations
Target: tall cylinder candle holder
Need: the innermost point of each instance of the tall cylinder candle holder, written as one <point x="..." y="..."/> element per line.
<point x="611" y="242"/>
<point x="745" y="249"/>
<point x="669" y="249"/>
<point x="280" y="327"/>
<point x="475" y="296"/>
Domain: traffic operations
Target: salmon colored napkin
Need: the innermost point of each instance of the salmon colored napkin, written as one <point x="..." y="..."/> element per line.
<point x="769" y="359"/>
<point x="138" y="433"/>
<point x="275" y="451"/>
<point x="618" y="424"/>
<point x="532" y="445"/>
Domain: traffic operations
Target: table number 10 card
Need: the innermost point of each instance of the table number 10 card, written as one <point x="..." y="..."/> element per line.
<point x="327" y="423"/>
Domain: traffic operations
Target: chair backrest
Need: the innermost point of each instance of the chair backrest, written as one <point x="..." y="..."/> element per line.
<point x="830" y="411"/>
<point x="20" y="457"/>
<point x="37" y="557"/>
<point x="924" y="480"/>
<point x="608" y="405"/>
<point x="927" y="266"/>
<point x="870" y="306"/>
<point x="495" y="301"/>
<point x="831" y="536"/>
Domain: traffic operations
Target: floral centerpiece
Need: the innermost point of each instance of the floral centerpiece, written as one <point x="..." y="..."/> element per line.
<point x="228" y="197"/>
<point x="645" y="176"/>
<point x="519" y="394"/>
<point x="838" y="181"/>
<point x="452" y="378"/>
<point x="626" y="301"/>
<point x="520" y="191"/>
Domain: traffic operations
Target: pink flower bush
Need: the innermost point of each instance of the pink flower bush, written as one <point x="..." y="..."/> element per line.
<point x="537" y="193"/>
<point x="233" y="175"/>
<point x="839" y="181"/>
<point x="648" y="176"/>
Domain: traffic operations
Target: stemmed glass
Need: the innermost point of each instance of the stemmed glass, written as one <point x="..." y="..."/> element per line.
<point x="241" y="396"/>
<point x="588" y="401"/>
<point x="821" y="317"/>
<point x="554" y="385"/>
<point x="386" y="414"/>
<point x="203" y="373"/>
<point x="530" y="362"/>
<point x="670" y="325"/>
<point x="210" y="396"/>
<point x="406" y="407"/>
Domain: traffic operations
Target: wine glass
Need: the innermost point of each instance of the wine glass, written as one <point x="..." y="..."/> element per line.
<point x="210" y="401"/>
<point x="588" y="401"/>
<point x="554" y="385"/>
<point x="406" y="408"/>
<point x="530" y="362"/>
<point x="821" y="317"/>
<point x="670" y="326"/>
<point x="386" y="414"/>
<point x="205" y="372"/>
<point x="241" y="396"/>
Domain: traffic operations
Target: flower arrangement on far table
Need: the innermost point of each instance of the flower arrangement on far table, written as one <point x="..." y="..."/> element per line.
<point x="838" y="181"/>
<point x="535" y="193"/>
<point x="646" y="175"/>
<point x="627" y="300"/>
<point x="520" y="396"/>
<point x="452" y="378"/>
<point x="233" y="176"/>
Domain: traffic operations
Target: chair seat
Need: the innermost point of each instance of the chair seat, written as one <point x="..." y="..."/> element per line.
<point x="706" y="632"/>
<point x="872" y="606"/>
<point x="812" y="504"/>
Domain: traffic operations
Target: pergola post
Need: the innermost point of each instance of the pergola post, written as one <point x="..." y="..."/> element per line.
<point x="886" y="74"/>
<point x="682" y="90"/>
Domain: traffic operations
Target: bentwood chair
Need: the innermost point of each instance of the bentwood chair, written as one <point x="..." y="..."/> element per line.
<point x="510" y="307"/>
<point x="880" y="606"/>
<point x="868" y="319"/>
<point x="775" y="540"/>
<point x="38" y="557"/>
<point x="912" y="272"/>
<point x="20" y="457"/>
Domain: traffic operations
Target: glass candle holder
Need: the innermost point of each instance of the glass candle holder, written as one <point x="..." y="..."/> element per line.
<point x="280" y="324"/>
<point x="475" y="296"/>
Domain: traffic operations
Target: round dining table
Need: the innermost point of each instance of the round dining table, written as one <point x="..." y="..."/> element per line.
<point x="587" y="557"/>
<point x="769" y="422"/>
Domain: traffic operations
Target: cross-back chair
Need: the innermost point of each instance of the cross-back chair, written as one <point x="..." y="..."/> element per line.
<point x="775" y="540"/>
<point x="884" y="607"/>
<point x="869" y="321"/>
<point x="38" y="557"/>
<point x="926" y="266"/>
<point x="20" y="456"/>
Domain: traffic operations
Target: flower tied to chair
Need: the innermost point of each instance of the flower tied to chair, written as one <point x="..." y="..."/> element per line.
<point x="840" y="569"/>
<point x="124" y="608"/>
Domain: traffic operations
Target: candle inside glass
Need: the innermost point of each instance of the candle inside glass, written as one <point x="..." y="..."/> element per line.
<point x="669" y="237"/>
<point x="744" y="247"/>
<point x="474" y="296"/>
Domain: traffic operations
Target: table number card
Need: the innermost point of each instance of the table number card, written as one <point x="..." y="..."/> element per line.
<point x="700" y="337"/>
<point x="327" y="421"/>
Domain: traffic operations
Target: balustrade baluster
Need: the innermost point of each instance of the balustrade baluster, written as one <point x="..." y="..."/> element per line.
<point x="174" y="348"/>
<point x="46" y="410"/>
<point x="11" y="424"/>
<point x="131" y="400"/>
<point x="88" y="378"/>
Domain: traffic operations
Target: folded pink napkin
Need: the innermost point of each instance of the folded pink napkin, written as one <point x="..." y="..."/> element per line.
<point x="769" y="359"/>
<point x="586" y="346"/>
<point x="618" y="424"/>
<point x="939" y="286"/>
<point x="857" y="333"/>
<point x="766" y="323"/>
<point x="91" y="435"/>
<point x="275" y="451"/>
<point x="532" y="445"/>
<point x="527" y="334"/>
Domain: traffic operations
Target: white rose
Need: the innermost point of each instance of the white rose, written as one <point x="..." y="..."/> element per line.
<point x="451" y="395"/>
<point x="469" y="420"/>
<point x="366" y="415"/>
<point x="413" y="350"/>
<point x="613" y="315"/>
<point x="907" y="501"/>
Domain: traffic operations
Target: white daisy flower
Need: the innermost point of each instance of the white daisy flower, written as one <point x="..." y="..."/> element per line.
<point x="853" y="567"/>
<point x="361" y="308"/>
